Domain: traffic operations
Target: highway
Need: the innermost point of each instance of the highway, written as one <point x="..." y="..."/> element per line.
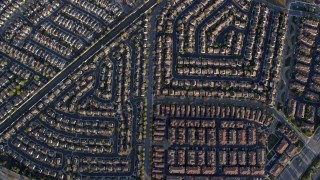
<point x="87" y="54"/>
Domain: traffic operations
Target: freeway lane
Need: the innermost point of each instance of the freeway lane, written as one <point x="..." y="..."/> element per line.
<point x="73" y="65"/>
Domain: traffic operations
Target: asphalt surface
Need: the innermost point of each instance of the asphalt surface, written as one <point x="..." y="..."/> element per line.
<point x="293" y="171"/>
<point x="152" y="40"/>
<point x="302" y="161"/>
<point x="74" y="65"/>
<point x="298" y="165"/>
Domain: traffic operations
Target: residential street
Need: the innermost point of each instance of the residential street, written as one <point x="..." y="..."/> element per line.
<point x="159" y="89"/>
<point x="150" y="96"/>
<point x="86" y="55"/>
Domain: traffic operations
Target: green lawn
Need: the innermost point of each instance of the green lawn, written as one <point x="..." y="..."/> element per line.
<point x="315" y="165"/>
<point x="270" y="155"/>
<point x="299" y="145"/>
<point x="308" y="133"/>
<point x="272" y="140"/>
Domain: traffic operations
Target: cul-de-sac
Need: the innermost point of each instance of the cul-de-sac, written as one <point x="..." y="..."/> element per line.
<point x="160" y="89"/>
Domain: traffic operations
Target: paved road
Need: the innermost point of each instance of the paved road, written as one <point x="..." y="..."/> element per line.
<point x="286" y="71"/>
<point x="294" y="12"/>
<point x="152" y="40"/>
<point x="75" y="64"/>
<point x="303" y="160"/>
<point x="298" y="165"/>
<point x="279" y="116"/>
<point x="282" y="118"/>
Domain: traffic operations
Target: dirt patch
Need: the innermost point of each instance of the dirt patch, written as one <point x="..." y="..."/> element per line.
<point x="279" y="2"/>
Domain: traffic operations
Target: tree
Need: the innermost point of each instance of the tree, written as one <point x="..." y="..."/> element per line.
<point x="36" y="77"/>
